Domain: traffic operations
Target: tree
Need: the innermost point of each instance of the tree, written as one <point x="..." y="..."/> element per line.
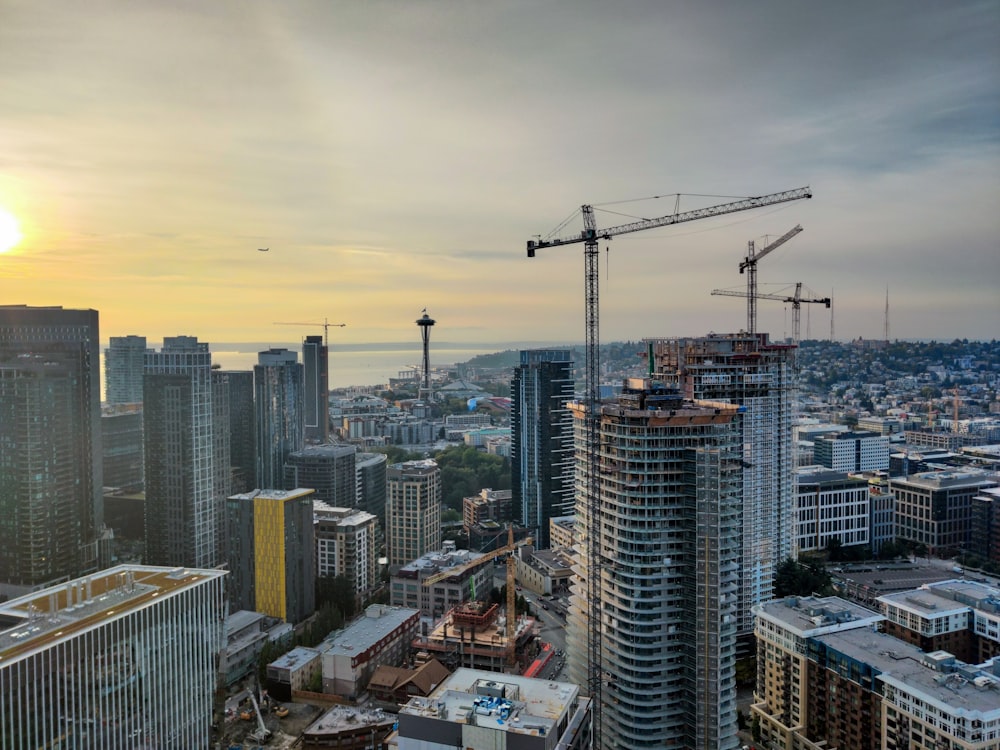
<point x="338" y="592"/>
<point x="801" y="579"/>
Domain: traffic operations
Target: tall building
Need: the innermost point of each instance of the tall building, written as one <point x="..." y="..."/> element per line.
<point x="271" y="549"/>
<point x="749" y="371"/>
<point x="412" y="510"/>
<point x="669" y="538"/>
<point x="370" y="471"/>
<point x="121" y="434"/>
<point x="542" y="440"/>
<point x="51" y="458"/>
<point x="277" y="380"/>
<point x="123" y="366"/>
<point x="316" y="389"/>
<point x="852" y="451"/>
<point x="242" y="436"/>
<point x="346" y="546"/>
<point x="186" y="444"/>
<point x="122" y="659"/>
<point x="327" y="469"/>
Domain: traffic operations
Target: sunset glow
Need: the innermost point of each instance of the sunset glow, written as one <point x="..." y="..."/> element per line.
<point x="10" y="233"/>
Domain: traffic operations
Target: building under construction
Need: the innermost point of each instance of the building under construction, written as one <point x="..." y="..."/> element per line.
<point x="749" y="371"/>
<point x="474" y="635"/>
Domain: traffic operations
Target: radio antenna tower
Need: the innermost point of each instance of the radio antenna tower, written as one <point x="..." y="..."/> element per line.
<point x="887" y="314"/>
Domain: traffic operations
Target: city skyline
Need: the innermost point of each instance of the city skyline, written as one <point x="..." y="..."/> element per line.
<point x="394" y="157"/>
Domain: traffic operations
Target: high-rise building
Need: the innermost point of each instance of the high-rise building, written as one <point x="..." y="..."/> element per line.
<point x="316" y="389"/>
<point x="122" y="659"/>
<point x="670" y="490"/>
<point x="51" y="460"/>
<point x="186" y="432"/>
<point x="370" y="470"/>
<point x="346" y="546"/>
<point x="270" y="534"/>
<point x="121" y="433"/>
<point x="749" y="371"/>
<point x="123" y="367"/>
<point x="277" y="378"/>
<point x="542" y="440"/>
<point x="242" y="436"/>
<point x="327" y="469"/>
<point x="412" y="510"/>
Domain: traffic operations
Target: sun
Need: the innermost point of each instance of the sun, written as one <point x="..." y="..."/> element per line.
<point x="10" y="233"/>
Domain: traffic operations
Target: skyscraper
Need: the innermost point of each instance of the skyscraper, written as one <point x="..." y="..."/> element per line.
<point x="412" y="510"/>
<point x="271" y="552"/>
<point x="186" y="430"/>
<point x="749" y="371"/>
<point x="123" y="367"/>
<point x="51" y="503"/>
<point x="120" y="660"/>
<point x="316" y="389"/>
<point x="242" y="436"/>
<point x="277" y="378"/>
<point x="668" y="533"/>
<point x="542" y="440"/>
<point x="327" y="469"/>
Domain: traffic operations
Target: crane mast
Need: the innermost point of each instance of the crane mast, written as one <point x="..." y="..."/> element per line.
<point x="591" y="428"/>
<point x="749" y="264"/>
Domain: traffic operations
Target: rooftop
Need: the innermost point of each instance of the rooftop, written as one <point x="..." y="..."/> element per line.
<point x="342" y="718"/>
<point x="934" y="676"/>
<point x="811" y="616"/>
<point x="295" y="658"/>
<point x="37" y="621"/>
<point x="949" y="479"/>
<point x="281" y="495"/>
<point x="377" y="622"/>
<point x="502" y="702"/>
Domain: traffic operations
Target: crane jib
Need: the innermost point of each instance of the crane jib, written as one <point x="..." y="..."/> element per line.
<point x="745" y="204"/>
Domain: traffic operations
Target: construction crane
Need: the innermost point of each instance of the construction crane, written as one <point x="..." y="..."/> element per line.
<point x="508" y="550"/>
<point x="749" y="264"/>
<point x="327" y="325"/>
<point x="590" y="237"/>
<point x="795" y="300"/>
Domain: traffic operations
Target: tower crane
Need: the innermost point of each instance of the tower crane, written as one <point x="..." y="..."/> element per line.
<point x="749" y="264"/>
<point x="795" y="300"/>
<point x="327" y="325"/>
<point x="591" y="483"/>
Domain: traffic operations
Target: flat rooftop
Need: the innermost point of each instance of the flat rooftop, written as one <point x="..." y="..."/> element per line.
<point x="907" y="667"/>
<point x="295" y="658"/>
<point x="348" y="718"/>
<point x="37" y="621"/>
<point x="924" y="603"/>
<point x="533" y="706"/>
<point x="377" y="622"/>
<point x="811" y="615"/>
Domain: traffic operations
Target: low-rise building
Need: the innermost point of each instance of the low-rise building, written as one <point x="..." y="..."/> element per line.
<point x="348" y="728"/>
<point x="293" y="671"/>
<point x="382" y="635"/>
<point x="984" y="535"/>
<point x="831" y="505"/>
<point x="394" y="686"/>
<point x="488" y="505"/>
<point x="545" y="571"/>
<point x="561" y="532"/>
<point x="246" y="636"/>
<point x="455" y="577"/>
<point x="475" y="709"/>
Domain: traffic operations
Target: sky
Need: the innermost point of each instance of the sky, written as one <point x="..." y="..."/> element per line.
<point x="397" y="155"/>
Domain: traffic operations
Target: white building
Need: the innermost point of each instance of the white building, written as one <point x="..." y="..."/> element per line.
<point x="477" y="709"/>
<point x="345" y="545"/>
<point x="125" y="658"/>
<point x="852" y="451"/>
<point x="831" y="505"/>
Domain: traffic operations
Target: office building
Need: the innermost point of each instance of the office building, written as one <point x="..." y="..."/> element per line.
<point x="984" y="534"/>
<point x="242" y="435"/>
<point x="328" y="469"/>
<point x="852" y="451"/>
<point x="541" y="432"/>
<point x="831" y="505"/>
<point x="749" y="371"/>
<point x="346" y="545"/>
<point x="186" y="445"/>
<point x="670" y="491"/>
<point x="271" y="544"/>
<point x="489" y="505"/>
<point x="370" y="471"/>
<point x="473" y="708"/>
<point x="124" y="360"/>
<point x="934" y="508"/>
<point x="315" y="389"/>
<point x="121" y="437"/>
<point x="123" y="659"/>
<point x="412" y="510"/>
<point x="277" y="379"/>
<point x="51" y="457"/>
